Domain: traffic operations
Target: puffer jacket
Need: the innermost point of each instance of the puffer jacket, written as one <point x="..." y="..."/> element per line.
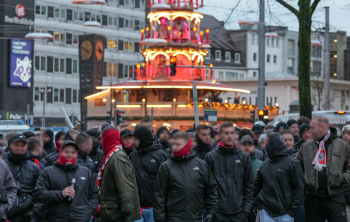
<point x="146" y="163"/>
<point x="166" y="147"/>
<point x="279" y="184"/>
<point x="233" y="173"/>
<point x="54" y="180"/>
<point x="50" y="147"/>
<point x="202" y="149"/>
<point x="8" y="186"/>
<point x="338" y="167"/>
<point x="52" y="158"/>
<point x="84" y="160"/>
<point x="184" y="186"/>
<point x="97" y="156"/>
<point x="26" y="174"/>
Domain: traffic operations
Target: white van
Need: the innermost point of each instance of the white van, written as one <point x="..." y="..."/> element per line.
<point x="335" y="117"/>
<point x="12" y="125"/>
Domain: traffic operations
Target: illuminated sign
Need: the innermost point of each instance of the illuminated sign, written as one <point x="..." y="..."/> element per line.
<point x="21" y="63"/>
<point x="20" y="10"/>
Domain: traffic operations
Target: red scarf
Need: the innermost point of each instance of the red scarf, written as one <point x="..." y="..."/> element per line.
<point x="64" y="161"/>
<point x="222" y="145"/>
<point x="320" y="159"/>
<point x="105" y="161"/>
<point x="186" y="150"/>
<point x="58" y="146"/>
<point x="123" y="144"/>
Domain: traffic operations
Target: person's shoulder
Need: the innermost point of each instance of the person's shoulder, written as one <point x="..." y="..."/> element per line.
<point x="341" y="142"/>
<point x="83" y="169"/>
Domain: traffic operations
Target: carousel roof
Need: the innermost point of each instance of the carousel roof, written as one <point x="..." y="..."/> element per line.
<point x="169" y="84"/>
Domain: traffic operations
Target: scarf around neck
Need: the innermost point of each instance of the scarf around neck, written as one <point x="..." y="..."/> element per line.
<point x="63" y="161"/>
<point x="186" y="150"/>
<point x="320" y="159"/>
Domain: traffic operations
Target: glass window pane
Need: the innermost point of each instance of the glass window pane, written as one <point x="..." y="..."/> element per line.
<point x="75" y="95"/>
<point x="57" y="12"/>
<point x="126" y="23"/>
<point x="63" y="13"/>
<point x="132" y="24"/>
<point x="109" y="44"/>
<point x="63" y="37"/>
<point x="55" y="95"/>
<point x="110" y="21"/>
<point x="115" y="23"/>
<point x="75" y="39"/>
<point x="98" y="19"/>
<point x="75" y="66"/>
<point x="75" y="15"/>
<point x="62" y="64"/>
<point x="43" y="63"/>
<point x="37" y="9"/>
<point x="114" y="69"/>
<point x="37" y="62"/>
<point x="36" y="94"/>
<point x="81" y="16"/>
<point x="131" y="46"/>
<point x="56" y="65"/>
<point x="61" y="95"/>
<point x="57" y="36"/>
<point x="126" y="71"/>
<point x="109" y="67"/>
<point x="43" y="10"/>
<point x="115" y="44"/>
<point x="126" y="45"/>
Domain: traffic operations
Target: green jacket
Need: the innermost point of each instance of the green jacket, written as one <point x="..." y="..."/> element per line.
<point x="256" y="164"/>
<point x="119" y="189"/>
<point x="337" y="170"/>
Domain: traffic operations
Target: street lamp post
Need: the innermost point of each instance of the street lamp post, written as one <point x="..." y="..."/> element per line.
<point x="44" y="93"/>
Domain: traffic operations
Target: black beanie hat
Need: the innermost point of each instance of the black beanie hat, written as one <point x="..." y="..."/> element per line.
<point x="244" y="132"/>
<point x="145" y="137"/>
<point x="175" y="131"/>
<point x="212" y="132"/>
<point x="160" y="130"/>
<point x="59" y="134"/>
<point x="94" y="133"/>
<point x="29" y="134"/>
<point x="49" y="133"/>
<point x="280" y="125"/>
<point x="291" y="122"/>
<point x="303" y="127"/>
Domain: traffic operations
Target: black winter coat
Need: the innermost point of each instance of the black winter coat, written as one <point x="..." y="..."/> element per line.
<point x="128" y="151"/>
<point x="97" y="156"/>
<point x="202" y="149"/>
<point x="52" y="158"/>
<point x="84" y="160"/>
<point x="50" y="147"/>
<point x="184" y="186"/>
<point x="166" y="147"/>
<point x="54" y="180"/>
<point x="26" y="174"/>
<point x="146" y="163"/>
<point x="279" y="185"/>
<point x="233" y="173"/>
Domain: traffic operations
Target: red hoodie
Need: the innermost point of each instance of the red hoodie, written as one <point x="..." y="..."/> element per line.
<point x="110" y="139"/>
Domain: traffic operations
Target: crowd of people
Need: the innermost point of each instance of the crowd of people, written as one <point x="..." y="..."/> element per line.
<point x="295" y="171"/>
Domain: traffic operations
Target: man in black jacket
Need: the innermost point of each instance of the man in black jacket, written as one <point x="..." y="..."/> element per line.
<point x="84" y="142"/>
<point x="294" y="128"/>
<point x="203" y="137"/>
<point x="279" y="184"/>
<point x="127" y="141"/>
<point x="65" y="200"/>
<point x="48" y="140"/>
<point x="184" y="186"/>
<point x="233" y="173"/>
<point x="53" y="157"/>
<point x="97" y="155"/>
<point x="7" y="189"/>
<point x="146" y="160"/>
<point x="26" y="174"/>
<point x="163" y="136"/>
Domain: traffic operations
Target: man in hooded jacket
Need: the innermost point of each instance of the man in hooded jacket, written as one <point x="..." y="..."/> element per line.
<point x="48" y="140"/>
<point x="63" y="202"/>
<point x="203" y="137"/>
<point x="84" y="142"/>
<point x="279" y="184"/>
<point x="8" y="190"/>
<point x="127" y="141"/>
<point x="233" y="173"/>
<point x="146" y="160"/>
<point x="116" y="178"/>
<point x="163" y="136"/>
<point x="97" y="155"/>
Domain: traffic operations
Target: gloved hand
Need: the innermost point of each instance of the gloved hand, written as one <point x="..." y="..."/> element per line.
<point x="125" y="216"/>
<point x="209" y="218"/>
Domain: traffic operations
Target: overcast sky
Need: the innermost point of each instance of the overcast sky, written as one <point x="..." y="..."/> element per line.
<point x="276" y="14"/>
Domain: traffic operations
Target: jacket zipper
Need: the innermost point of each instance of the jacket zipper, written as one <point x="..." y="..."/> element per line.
<point x="188" y="208"/>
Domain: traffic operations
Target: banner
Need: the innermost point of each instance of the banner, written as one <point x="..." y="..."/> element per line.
<point x="21" y="63"/>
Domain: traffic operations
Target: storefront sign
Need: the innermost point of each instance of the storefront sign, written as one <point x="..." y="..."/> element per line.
<point x="20" y="10"/>
<point x="21" y="63"/>
<point x="16" y="20"/>
<point x="210" y="115"/>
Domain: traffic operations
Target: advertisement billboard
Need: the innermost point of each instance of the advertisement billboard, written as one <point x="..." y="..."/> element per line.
<point x="21" y="63"/>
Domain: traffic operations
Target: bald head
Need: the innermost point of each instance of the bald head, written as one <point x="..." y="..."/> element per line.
<point x="319" y="127"/>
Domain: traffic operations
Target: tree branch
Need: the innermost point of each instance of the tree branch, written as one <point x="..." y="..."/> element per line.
<point x="314" y="6"/>
<point x="291" y="8"/>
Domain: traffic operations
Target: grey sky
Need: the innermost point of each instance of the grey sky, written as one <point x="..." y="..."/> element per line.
<point x="276" y="14"/>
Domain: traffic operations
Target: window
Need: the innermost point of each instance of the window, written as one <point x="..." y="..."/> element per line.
<point x="126" y="46"/>
<point x="78" y="16"/>
<point x="227" y="56"/>
<point x="237" y="58"/>
<point x="60" y="37"/>
<point x="126" y="2"/>
<point x="109" y="43"/>
<point x="126" y="23"/>
<point x="126" y="71"/>
<point x="63" y="14"/>
<point x="109" y="69"/>
<point x="291" y="47"/>
<point x="131" y="46"/>
<point x="254" y="56"/>
<point x="207" y="56"/>
<point x="56" y="95"/>
<point x="57" y="12"/>
<point x="99" y="18"/>
<point x="75" y="39"/>
<point x="253" y="39"/>
<point x="63" y="37"/>
<point x="315" y="68"/>
<point x="36" y="94"/>
<point x="60" y="13"/>
<point x="273" y="42"/>
<point x="40" y="10"/>
<point x="112" y="69"/>
<point x="131" y="23"/>
<point x="75" y="66"/>
<point x="218" y="55"/>
<point x="241" y="76"/>
<point x="290" y="66"/>
<point x="56" y="37"/>
<point x="275" y="59"/>
<point x="231" y="75"/>
<point x="221" y="75"/>
<point x="75" y="95"/>
<point x="59" y="65"/>
<point x="62" y="95"/>
<point x="316" y="51"/>
<point x="254" y="74"/>
<point x="268" y="58"/>
<point x="40" y="63"/>
<point x="115" y="21"/>
<point x="99" y="102"/>
<point x="142" y="25"/>
<point x="277" y="42"/>
<point x="267" y="41"/>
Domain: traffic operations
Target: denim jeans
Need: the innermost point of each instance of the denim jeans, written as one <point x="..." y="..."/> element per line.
<point x="264" y="217"/>
<point x="147" y="215"/>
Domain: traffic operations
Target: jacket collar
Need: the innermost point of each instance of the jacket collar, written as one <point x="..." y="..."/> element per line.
<point x="183" y="158"/>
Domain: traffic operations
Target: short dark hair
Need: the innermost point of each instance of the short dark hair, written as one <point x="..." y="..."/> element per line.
<point x="302" y="120"/>
<point x="202" y="127"/>
<point x="181" y="135"/>
<point x="10" y="134"/>
<point x="213" y="124"/>
<point x="33" y="142"/>
<point x="287" y="132"/>
<point x="82" y="138"/>
<point x="267" y="127"/>
<point x="272" y="135"/>
<point x="145" y="120"/>
<point x="225" y="125"/>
